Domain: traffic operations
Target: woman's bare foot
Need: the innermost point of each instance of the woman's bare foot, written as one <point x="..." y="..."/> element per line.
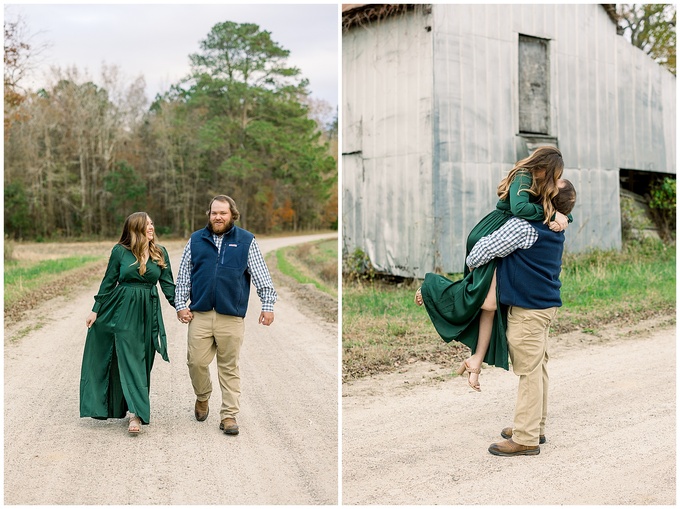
<point x="135" y="424"/>
<point x="418" y="299"/>
<point x="473" y="370"/>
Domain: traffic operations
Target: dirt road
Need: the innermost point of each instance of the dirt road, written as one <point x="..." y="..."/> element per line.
<point x="421" y="436"/>
<point x="287" y="451"/>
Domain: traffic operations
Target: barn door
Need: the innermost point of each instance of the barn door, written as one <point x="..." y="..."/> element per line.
<point x="534" y="81"/>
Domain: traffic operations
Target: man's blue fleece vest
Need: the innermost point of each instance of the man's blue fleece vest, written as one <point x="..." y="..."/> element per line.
<point x="529" y="278"/>
<point x="220" y="281"/>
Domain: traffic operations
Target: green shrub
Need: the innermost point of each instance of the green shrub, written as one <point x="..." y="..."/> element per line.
<point x="663" y="205"/>
<point x="357" y="266"/>
<point x="634" y="220"/>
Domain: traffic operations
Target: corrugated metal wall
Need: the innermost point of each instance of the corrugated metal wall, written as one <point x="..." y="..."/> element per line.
<point x="476" y="113"/>
<point x="387" y="141"/>
<point x="612" y="107"/>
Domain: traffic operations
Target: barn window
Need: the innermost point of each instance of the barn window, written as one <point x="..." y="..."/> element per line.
<point x="534" y="85"/>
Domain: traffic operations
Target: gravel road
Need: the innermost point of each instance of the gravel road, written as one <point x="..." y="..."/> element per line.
<point x="287" y="452"/>
<point x="421" y="436"/>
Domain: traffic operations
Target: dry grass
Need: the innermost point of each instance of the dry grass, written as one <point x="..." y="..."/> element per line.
<point x="24" y="297"/>
<point x="51" y="285"/>
<point x="382" y="329"/>
<point x="312" y="263"/>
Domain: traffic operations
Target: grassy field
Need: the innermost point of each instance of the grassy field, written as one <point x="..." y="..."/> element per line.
<point x="35" y="272"/>
<point x="383" y="329"/>
<point x="601" y="287"/>
<point x="313" y="263"/>
<point x="24" y="279"/>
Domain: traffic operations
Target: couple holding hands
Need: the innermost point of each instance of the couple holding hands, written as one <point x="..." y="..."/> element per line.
<point x="125" y="327"/>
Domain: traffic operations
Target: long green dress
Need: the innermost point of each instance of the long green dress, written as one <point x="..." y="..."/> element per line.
<point x="121" y="344"/>
<point x="454" y="306"/>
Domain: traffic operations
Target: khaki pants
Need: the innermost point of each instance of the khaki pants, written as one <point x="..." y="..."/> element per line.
<point x="527" y="334"/>
<point x="211" y="333"/>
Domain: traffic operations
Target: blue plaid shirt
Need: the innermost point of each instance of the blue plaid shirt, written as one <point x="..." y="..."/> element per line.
<point x="515" y="234"/>
<point x="256" y="267"/>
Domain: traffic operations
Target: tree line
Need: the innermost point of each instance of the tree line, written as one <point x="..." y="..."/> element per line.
<point x="80" y="156"/>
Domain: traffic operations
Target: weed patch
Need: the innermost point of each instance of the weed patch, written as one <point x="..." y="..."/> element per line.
<point x="382" y="330"/>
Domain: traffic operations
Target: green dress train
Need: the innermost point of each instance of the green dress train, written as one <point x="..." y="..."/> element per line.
<point x="121" y="344"/>
<point x="454" y="306"/>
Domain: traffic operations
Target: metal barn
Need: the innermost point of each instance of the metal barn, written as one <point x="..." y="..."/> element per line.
<point x="439" y="102"/>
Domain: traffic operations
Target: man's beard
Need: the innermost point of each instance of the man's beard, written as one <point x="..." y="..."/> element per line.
<point x="229" y="226"/>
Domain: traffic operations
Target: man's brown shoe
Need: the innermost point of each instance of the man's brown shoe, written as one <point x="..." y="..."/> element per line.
<point x="507" y="433"/>
<point x="510" y="448"/>
<point x="229" y="426"/>
<point x="201" y="410"/>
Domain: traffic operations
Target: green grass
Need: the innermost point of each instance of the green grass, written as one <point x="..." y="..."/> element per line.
<point x="602" y="286"/>
<point x="382" y="328"/>
<point x="23" y="278"/>
<point x="312" y="263"/>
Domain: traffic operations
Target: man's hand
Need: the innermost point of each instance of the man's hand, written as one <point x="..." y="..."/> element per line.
<point x="266" y="318"/>
<point x="185" y="316"/>
<point x="560" y="223"/>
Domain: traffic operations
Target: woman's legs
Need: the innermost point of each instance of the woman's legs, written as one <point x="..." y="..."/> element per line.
<point x="485" y="327"/>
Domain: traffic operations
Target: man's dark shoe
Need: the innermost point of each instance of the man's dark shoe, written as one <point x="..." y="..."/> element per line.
<point x="507" y="433"/>
<point x="510" y="448"/>
<point x="201" y="410"/>
<point x="229" y="426"/>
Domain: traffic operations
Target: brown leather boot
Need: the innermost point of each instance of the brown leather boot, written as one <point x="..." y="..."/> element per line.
<point x="510" y="448"/>
<point x="201" y="410"/>
<point x="507" y="433"/>
<point x="229" y="426"/>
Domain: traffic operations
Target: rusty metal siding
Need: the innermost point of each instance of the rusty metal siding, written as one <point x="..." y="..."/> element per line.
<point x="387" y="142"/>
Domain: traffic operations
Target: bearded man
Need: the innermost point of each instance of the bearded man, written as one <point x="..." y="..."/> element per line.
<point x="217" y="266"/>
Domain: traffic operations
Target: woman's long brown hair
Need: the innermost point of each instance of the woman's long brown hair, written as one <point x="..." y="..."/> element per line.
<point x="134" y="239"/>
<point x="544" y="158"/>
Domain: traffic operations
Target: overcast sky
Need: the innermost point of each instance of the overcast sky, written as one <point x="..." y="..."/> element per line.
<point x="155" y="40"/>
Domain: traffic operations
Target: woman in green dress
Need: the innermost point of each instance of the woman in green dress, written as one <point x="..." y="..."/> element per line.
<point x="125" y="328"/>
<point x="466" y="310"/>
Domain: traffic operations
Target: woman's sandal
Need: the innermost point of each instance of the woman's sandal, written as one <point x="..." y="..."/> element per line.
<point x="418" y="297"/>
<point x="135" y="424"/>
<point x="465" y="368"/>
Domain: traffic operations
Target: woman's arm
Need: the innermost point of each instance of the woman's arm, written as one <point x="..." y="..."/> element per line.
<point x="521" y="205"/>
<point x="520" y="202"/>
<point x="166" y="280"/>
<point x="110" y="277"/>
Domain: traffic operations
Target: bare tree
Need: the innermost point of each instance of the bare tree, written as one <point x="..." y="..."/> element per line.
<point x="22" y="54"/>
<point x="71" y="138"/>
<point x="650" y="27"/>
